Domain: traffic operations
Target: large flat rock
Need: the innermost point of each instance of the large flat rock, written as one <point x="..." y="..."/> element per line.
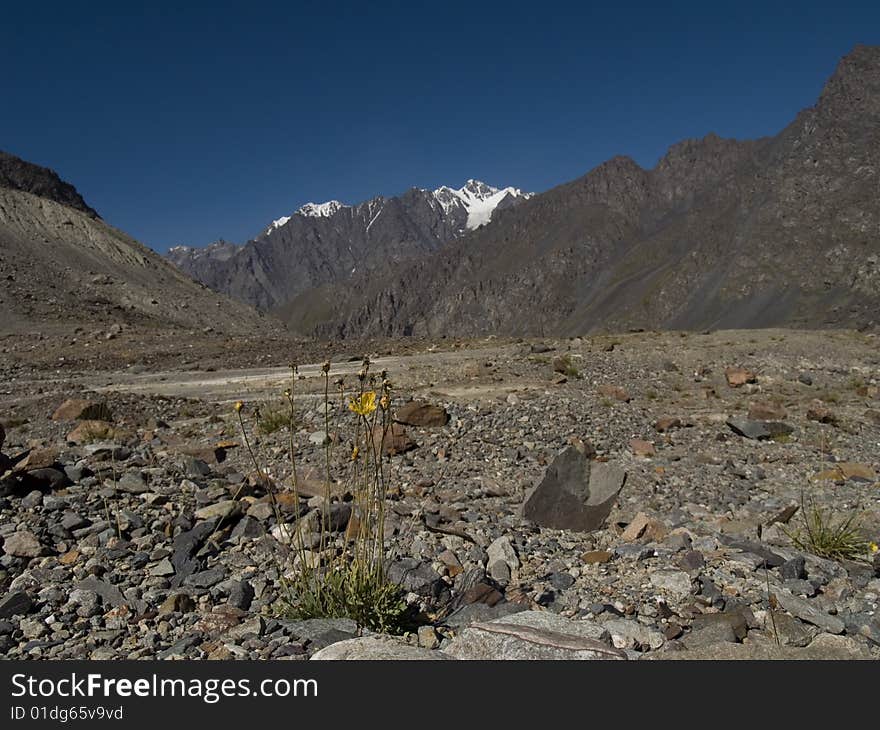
<point x="534" y="635"/>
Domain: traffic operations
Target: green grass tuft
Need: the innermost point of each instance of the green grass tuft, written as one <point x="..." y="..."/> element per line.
<point x="827" y="536"/>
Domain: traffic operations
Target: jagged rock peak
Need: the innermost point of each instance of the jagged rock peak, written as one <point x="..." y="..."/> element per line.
<point x="18" y="174"/>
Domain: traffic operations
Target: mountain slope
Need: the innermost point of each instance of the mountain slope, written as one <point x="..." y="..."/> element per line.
<point x="329" y="243"/>
<point x="720" y="233"/>
<point x="62" y="267"/>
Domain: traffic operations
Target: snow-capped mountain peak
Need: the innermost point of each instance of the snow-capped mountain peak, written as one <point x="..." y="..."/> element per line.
<point x="321" y="210"/>
<point x="309" y="210"/>
<point x="479" y="200"/>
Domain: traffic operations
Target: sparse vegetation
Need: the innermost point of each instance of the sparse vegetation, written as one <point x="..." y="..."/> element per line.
<point x="273" y="418"/>
<point x="341" y="577"/>
<point x="564" y="365"/>
<point x="829" y="536"/>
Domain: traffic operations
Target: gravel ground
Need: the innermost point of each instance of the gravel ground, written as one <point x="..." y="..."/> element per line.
<point x="147" y="534"/>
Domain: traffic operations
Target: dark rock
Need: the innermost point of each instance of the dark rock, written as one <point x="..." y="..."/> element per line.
<point x="759" y="430"/>
<point x="132" y="482"/>
<point x="17" y="602"/>
<point x="241" y="595"/>
<point x="807" y="611"/>
<point x="185" y="546"/>
<point x="692" y="561"/>
<point x="416" y="576"/>
<point x="575" y="493"/>
<point x="248" y="528"/>
<point x="196" y="468"/>
<point x="479" y="611"/>
<point x="737" y="620"/>
<point x="321" y="632"/>
<point x="110" y="594"/>
<point x="561" y="581"/>
<point x="205" y="578"/>
<point x="708" y="633"/>
<point x="796" y="568"/>
<point x="770" y="559"/>
<point x="49" y="478"/>
<point x="179" y="649"/>
<point x="864" y="625"/>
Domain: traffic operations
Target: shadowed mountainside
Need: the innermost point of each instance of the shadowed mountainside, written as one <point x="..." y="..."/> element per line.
<point x="720" y="233"/>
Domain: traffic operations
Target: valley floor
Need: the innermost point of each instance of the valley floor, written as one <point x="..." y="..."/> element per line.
<point x="105" y="551"/>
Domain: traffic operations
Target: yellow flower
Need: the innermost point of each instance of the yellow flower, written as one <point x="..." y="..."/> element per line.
<point x="354" y="453"/>
<point x="874" y="547"/>
<point x="364" y="404"/>
<point x="238" y="406"/>
<point x="385" y="401"/>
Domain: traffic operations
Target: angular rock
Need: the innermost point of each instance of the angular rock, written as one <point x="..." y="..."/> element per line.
<point x="737" y="377"/>
<point x="633" y="631"/>
<point x="79" y="409"/>
<point x="241" y="595"/>
<point x="226" y="510"/>
<point x="676" y="583"/>
<point x="502" y="559"/>
<point x="759" y="430"/>
<point x="22" y="544"/>
<point x="575" y="493"/>
<point x="185" y="546"/>
<point x="806" y="611"/>
<point x="415" y="576"/>
<point x="419" y="413"/>
<point x="110" y="594"/>
<point x="12" y="604"/>
<point x="533" y="635"/>
<point x="321" y="632"/>
<point x="394" y="439"/>
<point x="48" y="478"/>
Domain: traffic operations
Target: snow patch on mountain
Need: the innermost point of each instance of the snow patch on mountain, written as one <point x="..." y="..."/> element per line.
<point x="321" y="210"/>
<point x="478" y="199"/>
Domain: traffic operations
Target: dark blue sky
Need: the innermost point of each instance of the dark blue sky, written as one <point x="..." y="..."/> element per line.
<point x="184" y="125"/>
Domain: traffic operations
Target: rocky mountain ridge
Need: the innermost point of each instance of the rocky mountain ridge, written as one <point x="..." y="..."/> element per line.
<point x="328" y="243"/>
<point x="720" y="233"/>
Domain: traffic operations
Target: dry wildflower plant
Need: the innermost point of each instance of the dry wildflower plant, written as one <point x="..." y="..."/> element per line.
<point x="329" y="576"/>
